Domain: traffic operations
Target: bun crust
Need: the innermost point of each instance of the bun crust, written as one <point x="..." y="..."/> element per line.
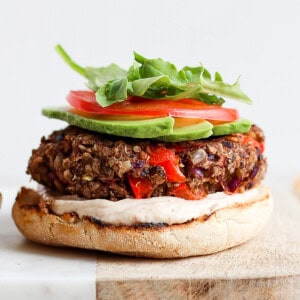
<point x="223" y="229"/>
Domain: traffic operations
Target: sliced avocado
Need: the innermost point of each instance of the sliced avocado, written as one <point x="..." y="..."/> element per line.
<point x="162" y="129"/>
<point x="149" y="128"/>
<point x="239" y="126"/>
<point x="193" y="132"/>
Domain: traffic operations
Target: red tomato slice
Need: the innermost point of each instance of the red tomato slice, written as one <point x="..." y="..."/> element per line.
<point x="186" y="108"/>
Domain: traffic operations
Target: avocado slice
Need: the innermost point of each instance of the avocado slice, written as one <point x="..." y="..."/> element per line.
<point x="148" y="128"/>
<point x="239" y="126"/>
<point x="193" y="132"/>
<point x="161" y="129"/>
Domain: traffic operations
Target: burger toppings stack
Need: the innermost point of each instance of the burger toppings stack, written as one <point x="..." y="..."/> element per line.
<point x="151" y="164"/>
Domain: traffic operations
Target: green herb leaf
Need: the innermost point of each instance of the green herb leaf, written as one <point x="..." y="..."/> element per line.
<point x="140" y="86"/>
<point x="222" y="89"/>
<point x="155" y="79"/>
<point x="100" y="76"/>
<point x="134" y="72"/>
<point x="112" y="92"/>
<point x="139" y="58"/>
<point x="194" y="73"/>
<point x="159" y="67"/>
<point x="218" y="77"/>
<point x="211" y="99"/>
<point x="64" y="55"/>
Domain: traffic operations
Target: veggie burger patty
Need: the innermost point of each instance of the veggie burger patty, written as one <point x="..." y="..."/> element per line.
<point x="92" y="165"/>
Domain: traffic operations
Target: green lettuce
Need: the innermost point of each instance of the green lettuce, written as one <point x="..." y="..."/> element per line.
<point x="155" y="79"/>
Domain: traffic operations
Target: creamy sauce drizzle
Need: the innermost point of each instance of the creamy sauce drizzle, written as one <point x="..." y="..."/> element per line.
<point x="169" y="210"/>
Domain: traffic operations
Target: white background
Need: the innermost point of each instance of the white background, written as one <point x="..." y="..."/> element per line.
<point x="256" y="39"/>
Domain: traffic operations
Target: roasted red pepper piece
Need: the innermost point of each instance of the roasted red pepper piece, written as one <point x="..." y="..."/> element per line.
<point x="141" y="187"/>
<point x="184" y="191"/>
<point x="166" y="158"/>
<point x="248" y="139"/>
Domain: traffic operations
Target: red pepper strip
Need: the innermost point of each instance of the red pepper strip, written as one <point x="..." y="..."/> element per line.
<point x="184" y="191"/>
<point x="262" y="148"/>
<point x="248" y="139"/>
<point x="141" y="187"/>
<point x="166" y="158"/>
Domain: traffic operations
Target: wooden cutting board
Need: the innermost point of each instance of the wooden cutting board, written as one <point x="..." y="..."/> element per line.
<point x="267" y="267"/>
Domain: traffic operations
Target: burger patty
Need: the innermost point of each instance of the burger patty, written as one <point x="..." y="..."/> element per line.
<point x="92" y="165"/>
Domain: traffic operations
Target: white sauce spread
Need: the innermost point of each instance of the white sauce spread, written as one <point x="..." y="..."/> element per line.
<point x="169" y="210"/>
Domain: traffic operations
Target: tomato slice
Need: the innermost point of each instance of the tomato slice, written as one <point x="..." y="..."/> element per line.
<point x="186" y="108"/>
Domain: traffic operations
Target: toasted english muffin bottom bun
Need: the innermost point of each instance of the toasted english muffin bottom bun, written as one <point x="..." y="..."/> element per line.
<point x="209" y="233"/>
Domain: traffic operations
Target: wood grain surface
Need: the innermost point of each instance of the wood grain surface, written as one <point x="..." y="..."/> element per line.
<point x="267" y="267"/>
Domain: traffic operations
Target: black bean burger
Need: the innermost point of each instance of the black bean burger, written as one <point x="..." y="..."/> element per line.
<point x="151" y="165"/>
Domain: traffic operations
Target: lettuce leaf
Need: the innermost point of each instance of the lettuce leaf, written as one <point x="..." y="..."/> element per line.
<point x="97" y="77"/>
<point x="155" y="79"/>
